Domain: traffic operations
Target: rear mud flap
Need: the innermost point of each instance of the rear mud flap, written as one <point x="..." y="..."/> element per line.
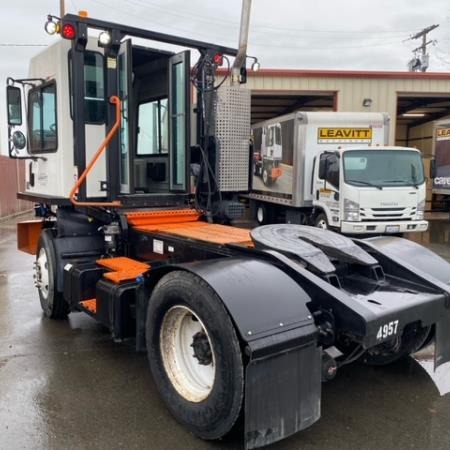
<point x="442" y="344"/>
<point x="282" y="395"/>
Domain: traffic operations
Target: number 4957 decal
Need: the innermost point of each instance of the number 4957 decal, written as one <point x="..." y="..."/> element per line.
<point x="387" y="330"/>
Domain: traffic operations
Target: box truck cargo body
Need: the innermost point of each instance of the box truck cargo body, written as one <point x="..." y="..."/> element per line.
<point x="335" y="170"/>
<point x="441" y="151"/>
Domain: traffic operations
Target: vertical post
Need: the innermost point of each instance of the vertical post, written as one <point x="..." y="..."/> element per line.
<point x="243" y="39"/>
<point x="62" y="8"/>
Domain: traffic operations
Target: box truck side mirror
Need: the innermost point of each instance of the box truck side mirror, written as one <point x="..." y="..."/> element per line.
<point x="14" y="105"/>
<point x="323" y="167"/>
<point x="433" y="169"/>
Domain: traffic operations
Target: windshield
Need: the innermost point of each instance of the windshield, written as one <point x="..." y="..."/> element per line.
<point x="383" y="168"/>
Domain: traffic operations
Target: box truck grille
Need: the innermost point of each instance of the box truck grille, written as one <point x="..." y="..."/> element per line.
<point x="387" y="209"/>
<point x="377" y="214"/>
<point x="232" y="131"/>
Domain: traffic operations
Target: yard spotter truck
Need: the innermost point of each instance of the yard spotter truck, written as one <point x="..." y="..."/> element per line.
<point x="335" y="170"/>
<point x="240" y="326"/>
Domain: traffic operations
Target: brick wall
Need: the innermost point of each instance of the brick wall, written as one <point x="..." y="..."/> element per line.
<point x="12" y="180"/>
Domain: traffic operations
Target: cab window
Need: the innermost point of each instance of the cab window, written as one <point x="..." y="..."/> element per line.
<point x="94" y="87"/>
<point x="153" y="128"/>
<point x="42" y="123"/>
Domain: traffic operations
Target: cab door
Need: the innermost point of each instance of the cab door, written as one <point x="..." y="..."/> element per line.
<point x="327" y="181"/>
<point x="124" y="88"/>
<point x="179" y="121"/>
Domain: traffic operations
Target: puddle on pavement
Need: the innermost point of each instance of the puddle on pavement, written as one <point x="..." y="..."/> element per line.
<point x="440" y="377"/>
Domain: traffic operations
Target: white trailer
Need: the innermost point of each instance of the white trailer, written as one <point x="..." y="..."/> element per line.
<point x="336" y="171"/>
<point x="440" y="171"/>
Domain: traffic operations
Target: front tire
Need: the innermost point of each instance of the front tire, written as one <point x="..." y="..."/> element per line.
<point x="52" y="302"/>
<point x="321" y="221"/>
<point x="194" y="355"/>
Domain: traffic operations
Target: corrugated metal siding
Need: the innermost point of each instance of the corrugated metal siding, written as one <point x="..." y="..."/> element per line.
<point x="352" y="91"/>
<point x="12" y="180"/>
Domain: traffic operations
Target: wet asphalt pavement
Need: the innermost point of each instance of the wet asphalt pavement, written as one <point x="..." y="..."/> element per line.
<point x="66" y="385"/>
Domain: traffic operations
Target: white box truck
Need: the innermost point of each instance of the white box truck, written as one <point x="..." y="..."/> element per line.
<point x="335" y="170"/>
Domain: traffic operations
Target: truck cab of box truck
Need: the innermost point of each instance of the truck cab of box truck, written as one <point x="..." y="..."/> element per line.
<point x="370" y="190"/>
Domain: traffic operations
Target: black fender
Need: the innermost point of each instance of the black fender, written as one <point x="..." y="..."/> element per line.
<point x="413" y="254"/>
<point x="261" y="299"/>
<point x="75" y="249"/>
<point x="420" y="262"/>
<point x="283" y="373"/>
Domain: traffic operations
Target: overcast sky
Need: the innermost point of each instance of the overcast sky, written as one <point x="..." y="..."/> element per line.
<point x="301" y="34"/>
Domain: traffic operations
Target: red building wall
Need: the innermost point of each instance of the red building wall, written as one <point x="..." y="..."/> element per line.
<point x="12" y="180"/>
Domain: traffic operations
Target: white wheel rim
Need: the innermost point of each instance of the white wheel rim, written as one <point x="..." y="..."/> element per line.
<point x="190" y="374"/>
<point x="322" y="224"/>
<point x="260" y="214"/>
<point x="42" y="275"/>
<point x="265" y="176"/>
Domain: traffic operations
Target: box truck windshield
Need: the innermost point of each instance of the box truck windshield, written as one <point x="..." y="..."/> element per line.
<point x="383" y="168"/>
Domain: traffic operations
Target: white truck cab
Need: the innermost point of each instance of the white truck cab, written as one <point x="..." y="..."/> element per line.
<point x="370" y="190"/>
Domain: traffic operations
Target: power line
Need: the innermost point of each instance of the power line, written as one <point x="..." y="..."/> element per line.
<point x="23" y="45"/>
<point x="258" y="43"/>
<point x="257" y="26"/>
<point x="330" y="48"/>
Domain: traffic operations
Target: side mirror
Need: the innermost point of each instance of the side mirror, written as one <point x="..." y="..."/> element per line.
<point x="433" y="169"/>
<point x="14" y="104"/>
<point x="323" y="167"/>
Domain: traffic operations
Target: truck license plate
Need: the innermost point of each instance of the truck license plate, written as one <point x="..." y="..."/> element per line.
<point x="392" y="228"/>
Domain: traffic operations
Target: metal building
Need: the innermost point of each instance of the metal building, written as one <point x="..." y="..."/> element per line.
<point x="413" y="100"/>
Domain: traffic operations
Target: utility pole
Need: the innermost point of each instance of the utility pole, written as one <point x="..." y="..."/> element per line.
<point x="62" y="8"/>
<point x="419" y="63"/>
<point x="241" y="57"/>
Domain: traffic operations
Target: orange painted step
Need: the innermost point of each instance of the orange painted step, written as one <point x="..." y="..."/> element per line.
<point x="90" y="305"/>
<point x="122" y="268"/>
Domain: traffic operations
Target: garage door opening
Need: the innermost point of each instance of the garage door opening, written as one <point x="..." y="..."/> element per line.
<point x="269" y="104"/>
<point x="416" y="114"/>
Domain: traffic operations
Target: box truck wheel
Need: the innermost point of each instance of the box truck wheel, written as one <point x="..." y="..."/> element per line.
<point x="321" y="221"/>
<point x="52" y="301"/>
<point x="263" y="214"/>
<point x="267" y="179"/>
<point x="194" y="355"/>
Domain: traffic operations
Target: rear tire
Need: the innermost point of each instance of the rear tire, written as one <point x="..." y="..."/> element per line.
<point x="413" y="339"/>
<point x="194" y="355"/>
<point x="52" y="302"/>
<point x="263" y="214"/>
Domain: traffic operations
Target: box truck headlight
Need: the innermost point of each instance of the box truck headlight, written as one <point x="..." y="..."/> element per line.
<point x="420" y="213"/>
<point x="351" y="210"/>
